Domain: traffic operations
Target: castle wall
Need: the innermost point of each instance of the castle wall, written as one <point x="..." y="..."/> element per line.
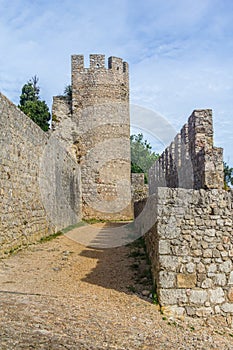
<point x="37" y="179"/>
<point x="97" y="133"/>
<point x="191" y="160"/>
<point x="188" y="231"/>
<point x="190" y="245"/>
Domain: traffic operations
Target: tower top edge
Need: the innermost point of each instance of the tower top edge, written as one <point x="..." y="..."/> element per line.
<point x="97" y="61"/>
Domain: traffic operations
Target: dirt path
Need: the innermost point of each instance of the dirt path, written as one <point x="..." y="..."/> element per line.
<point x="62" y="295"/>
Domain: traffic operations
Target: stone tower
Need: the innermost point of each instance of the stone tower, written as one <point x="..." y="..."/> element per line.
<point x="95" y="126"/>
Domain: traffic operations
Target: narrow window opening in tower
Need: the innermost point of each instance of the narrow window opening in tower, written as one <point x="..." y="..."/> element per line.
<point x="97" y="65"/>
<point x="118" y="68"/>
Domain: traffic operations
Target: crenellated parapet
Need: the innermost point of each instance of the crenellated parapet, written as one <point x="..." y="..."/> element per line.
<point x="96" y="62"/>
<point x="94" y="84"/>
<point x="191" y="160"/>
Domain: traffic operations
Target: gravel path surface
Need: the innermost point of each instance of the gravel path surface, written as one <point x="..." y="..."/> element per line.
<point x="62" y="295"/>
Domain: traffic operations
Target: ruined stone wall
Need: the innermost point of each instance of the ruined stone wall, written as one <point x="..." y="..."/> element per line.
<point x="37" y="179"/>
<point x="191" y="160"/>
<point x="97" y="133"/>
<point x="188" y="231"/>
<point x="191" y="249"/>
<point x="190" y="244"/>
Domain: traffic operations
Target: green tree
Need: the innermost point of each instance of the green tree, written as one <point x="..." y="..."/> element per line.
<point x="31" y="104"/>
<point x="68" y="91"/>
<point x="142" y="156"/>
<point x="228" y="175"/>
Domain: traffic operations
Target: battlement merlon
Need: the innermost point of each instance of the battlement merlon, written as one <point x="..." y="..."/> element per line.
<point x="97" y="61"/>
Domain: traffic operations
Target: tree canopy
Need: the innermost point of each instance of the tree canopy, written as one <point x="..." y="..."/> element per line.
<point x="68" y="91"/>
<point x="31" y="104"/>
<point x="142" y="156"/>
<point x="228" y="175"/>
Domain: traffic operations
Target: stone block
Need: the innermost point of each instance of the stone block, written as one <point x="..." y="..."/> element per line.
<point x="198" y="297"/>
<point x="167" y="279"/>
<point x="186" y="280"/>
<point x="230" y="294"/>
<point x="217" y="309"/>
<point x="230" y="280"/>
<point x="207" y="253"/>
<point x="190" y="310"/>
<point x="217" y="296"/>
<point x="167" y="262"/>
<point x="204" y="311"/>
<point x="212" y="268"/>
<point x="172" y="297"/>
<point x="226" y="266"/>
<point x="201" y="268"/>
<point x="219" y="279"/>
<point x="197" y="252"/>
<point x="210" y="232"/>
<point x="207" y="283"/>
<point x="227" y="307"/>
<point x="216" y="253"/>
<point x="180" y="250"/>
<point x="170" y="230"/>
<point x="190" y="267"/>
<point x="173" y="311"/>
<point x="204" y="245"/>
<point x="164" y="247"/>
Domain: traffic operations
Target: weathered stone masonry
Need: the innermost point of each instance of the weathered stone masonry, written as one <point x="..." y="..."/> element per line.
<point x="189" y="231"/>
<point x="191" y="249"/>
<point x="95" y="127"/>
<point x="39" y="182"/>
<point x="191" y="160"/>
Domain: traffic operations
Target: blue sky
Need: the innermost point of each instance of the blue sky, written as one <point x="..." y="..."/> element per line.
<point x="180" y="52"/>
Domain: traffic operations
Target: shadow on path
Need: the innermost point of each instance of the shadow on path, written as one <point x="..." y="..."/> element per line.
<point x="123" y="268"/>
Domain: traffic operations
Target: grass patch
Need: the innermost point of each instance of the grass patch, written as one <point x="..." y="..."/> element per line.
<point x="13" y="250"/>
<point x="154" y="297"/>
<point x="50" y="237"/>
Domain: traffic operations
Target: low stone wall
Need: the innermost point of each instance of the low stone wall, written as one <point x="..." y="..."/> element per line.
<point x="190" y="244"/>
<point x="37" y="178"/>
